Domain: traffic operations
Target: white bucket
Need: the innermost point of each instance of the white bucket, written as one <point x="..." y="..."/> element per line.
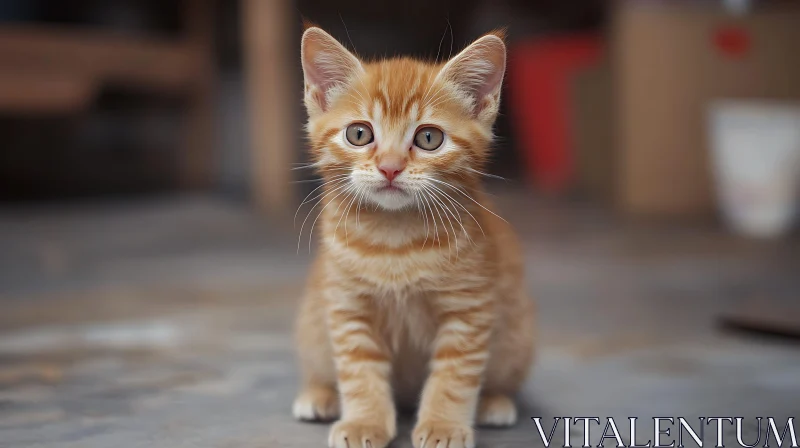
<point x="756" y="160"/>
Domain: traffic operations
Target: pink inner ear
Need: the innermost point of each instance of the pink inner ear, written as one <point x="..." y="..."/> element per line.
<point x="315" y="73"/>
<point x="326" y="64"/>
<point x="491" y="82"/>
<point x="479" y="69"/>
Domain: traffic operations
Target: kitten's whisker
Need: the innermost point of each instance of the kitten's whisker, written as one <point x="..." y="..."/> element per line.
<point x="322" y="197"/>
<point x="326" y="169"/>
<point x="444" y="226"/>
<point x="347" y="31"/>
<point x="344" y="215"/>
<point x="432" y="96"/>
<point x="444" y="209"/>
<point x="359" y="191"/>
<point x="337" y="211"/>
<point x="459" y="204"/>
<point x="307" y="181"/>
<point x="330" y="201"/>
<point x="451" y="37"/>
<point x="468" y="197"/>
<point x="356" y="101"/>
<point x="440" y="45"/>
<point x="364" y="86"/>
<point x="429" y="93"/>
<point x="424" y="196"/>
<point x="306" y="166"/>
<point x="436" y="101"/>
<point x="360" y="96"/>
<point x="303" y="167"/>
<point x="493" y="176"/>
<point x="419" y="210"/>
<point x="418" y="203"/>
<point x="424" y="213"/>
<point x="358" y="208"/>
<point x="439" y="92"/>
<point x="448" y="213"/>
<point x="453" y="213"/>
<point x="334" y="181"/>
<point x="437" y="237"/>
<point x="423" y="102"/>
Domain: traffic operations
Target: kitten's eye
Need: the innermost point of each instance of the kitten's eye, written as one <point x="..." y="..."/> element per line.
<point x="359" y="134"/>
<point x="429" y="138"/>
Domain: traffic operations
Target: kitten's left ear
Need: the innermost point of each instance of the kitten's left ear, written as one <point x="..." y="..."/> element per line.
<point x="478" y="73"/>
<point x="327" y="68"/>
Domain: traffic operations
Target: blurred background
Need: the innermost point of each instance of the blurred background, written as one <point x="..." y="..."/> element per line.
<point x="648" y="154"/>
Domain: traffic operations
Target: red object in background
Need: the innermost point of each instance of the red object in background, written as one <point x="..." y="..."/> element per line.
<point x="732" y="41"/>
<point x="540" y="76"/>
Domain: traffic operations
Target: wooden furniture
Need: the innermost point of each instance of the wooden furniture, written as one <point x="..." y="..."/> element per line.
<point x="47" y="69"/>
<point x="272" y="109"/>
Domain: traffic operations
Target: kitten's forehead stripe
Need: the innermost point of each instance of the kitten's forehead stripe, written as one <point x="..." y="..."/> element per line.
<point x="402" y="84"/>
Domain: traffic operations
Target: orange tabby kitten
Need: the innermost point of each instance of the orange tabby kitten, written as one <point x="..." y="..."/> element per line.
<point x="418" y="288"/>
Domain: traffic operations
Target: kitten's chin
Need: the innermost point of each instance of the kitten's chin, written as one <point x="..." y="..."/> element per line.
<point x="392" y="200"/>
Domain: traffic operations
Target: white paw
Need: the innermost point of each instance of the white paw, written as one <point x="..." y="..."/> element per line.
<point x="316" y="404"/>
<point x="496" y="410"/>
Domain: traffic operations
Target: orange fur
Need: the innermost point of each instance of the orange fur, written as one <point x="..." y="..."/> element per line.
<point x="416" y="290"/>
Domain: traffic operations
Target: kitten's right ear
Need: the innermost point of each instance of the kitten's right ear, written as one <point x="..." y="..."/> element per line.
<point x="327" y="68"/>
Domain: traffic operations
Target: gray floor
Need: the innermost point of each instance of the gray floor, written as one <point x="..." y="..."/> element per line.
<point x="166" y="323"/>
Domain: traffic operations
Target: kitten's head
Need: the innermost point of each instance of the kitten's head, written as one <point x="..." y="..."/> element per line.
<point x="396" y="130"/>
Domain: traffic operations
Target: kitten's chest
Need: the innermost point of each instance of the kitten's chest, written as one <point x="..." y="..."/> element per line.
<point x="408" y="329"/>
<point x="410" y="265"/>
<point x="396" y="271"/>
<point x="406" y="321"/>
<point x="391" y="251"/>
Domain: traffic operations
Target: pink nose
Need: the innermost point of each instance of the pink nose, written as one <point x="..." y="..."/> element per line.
<point x="390" y="171"/>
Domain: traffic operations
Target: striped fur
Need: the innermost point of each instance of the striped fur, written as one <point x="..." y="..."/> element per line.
<point x="416" y="298"/>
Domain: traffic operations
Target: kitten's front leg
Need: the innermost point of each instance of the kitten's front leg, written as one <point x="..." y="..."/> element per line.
<point x="363" y="369"/>
<point x="450" y="395"/>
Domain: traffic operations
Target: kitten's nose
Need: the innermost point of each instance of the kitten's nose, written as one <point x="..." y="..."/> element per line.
<point x="391" y="169"/>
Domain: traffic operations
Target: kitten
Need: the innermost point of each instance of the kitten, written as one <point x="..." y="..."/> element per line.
<point x="417" y="295"/>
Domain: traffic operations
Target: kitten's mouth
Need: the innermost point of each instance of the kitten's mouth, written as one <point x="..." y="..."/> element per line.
<point x="390" y="189"/>
<point x="390" y="196"/>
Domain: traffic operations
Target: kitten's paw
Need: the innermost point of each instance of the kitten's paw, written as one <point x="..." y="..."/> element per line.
<point x="316" y="404"/>
<point x="496" y="410"/>
<point x="358" y="434"/>
<point x="441" y="434"/>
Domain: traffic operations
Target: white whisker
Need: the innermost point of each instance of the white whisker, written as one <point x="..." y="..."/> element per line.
<point x="350" y="191"/>
<point x="454" y="213"/>
<point x="458" y="204"/>
<point x="444" y="226"/>
<point x="421" y="209"/>
<point x="467" y="196"/>
<point x="322" y="197"/>
<point x="493" y="176"/>
<point x="444" y="209"/>
<point x="336" y="180"/>
<point x="359" y="192"/>
<point x="424" y="196"/>
<point x="330" y="201"/>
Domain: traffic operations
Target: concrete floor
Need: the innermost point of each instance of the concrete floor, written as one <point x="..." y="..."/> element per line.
<point x="166" y="323"/>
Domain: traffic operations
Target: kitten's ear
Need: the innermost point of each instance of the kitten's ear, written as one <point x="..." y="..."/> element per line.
<point x="478" y="73"/>
<point x="327" y="67"/>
